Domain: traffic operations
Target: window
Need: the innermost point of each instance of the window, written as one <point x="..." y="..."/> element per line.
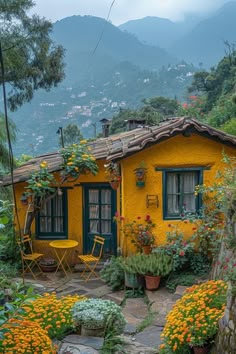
<point x="51" y="222"/>
<point x="179" y="188"/>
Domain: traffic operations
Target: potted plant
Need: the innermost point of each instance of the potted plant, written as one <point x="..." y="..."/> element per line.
<point x="48" y="264"/>
<point x="132" y="266"/>
<point x="112" y="171"/>
<point x="95" y="315"/>
<point x="139" y="231"/>
<point x="154" y="266"/>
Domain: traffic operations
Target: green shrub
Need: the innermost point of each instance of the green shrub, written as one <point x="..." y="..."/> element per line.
<point x="113" y="273"/>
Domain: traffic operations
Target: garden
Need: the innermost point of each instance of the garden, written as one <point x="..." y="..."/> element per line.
<point x="32" y="323"/>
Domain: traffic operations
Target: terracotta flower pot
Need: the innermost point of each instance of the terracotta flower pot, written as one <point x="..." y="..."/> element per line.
<point x="114" y="184"/>
<point x="147" y="249"/>
<point x="152" y="282"/>
<point x="201" y="350"/>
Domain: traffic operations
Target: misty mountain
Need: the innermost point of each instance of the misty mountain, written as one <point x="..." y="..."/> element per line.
<point x="205" y="43"/>
<point x="159" y="31"/>
<point x="194" y="40"/>
<point x="97" y="46"/>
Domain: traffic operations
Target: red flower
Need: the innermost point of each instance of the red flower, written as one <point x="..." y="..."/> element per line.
<point x="122" y="218"/>
<point x="116" y="214"/>
<point x="181" y="253"/>
<point x="148" y="218"/>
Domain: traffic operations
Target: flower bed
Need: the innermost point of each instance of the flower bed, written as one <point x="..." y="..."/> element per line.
<point x="53" y="314"/>
<point x="193" y="320"/>
<point x="25" y="336"/>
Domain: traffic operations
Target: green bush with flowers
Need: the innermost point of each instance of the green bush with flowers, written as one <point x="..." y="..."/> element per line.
<point x="139" y="231"/>
<point x="177" y="247"/>
<point x="41" y="183"/>
<point x="77" y="160"/>
<point x="193" y="321"/>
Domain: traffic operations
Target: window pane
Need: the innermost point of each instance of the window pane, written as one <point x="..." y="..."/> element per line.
<point x="106" y="211"/>
<point x="189" y="203"/>
<point x="94" y="226"/>
<point x="93" y="196"/>
<point x="45" y="224"/>
<point x="105" y="196"/>
<point x="57" y="206"/>
<point x="189" y="182"/>
<point x="58" y="224"/>
<point x="173" y="204"/>
<point x="93" y="211"/>
<point x="46" y="209"/>
<point x="173" y="184"/>
<point x="106" y="227"/>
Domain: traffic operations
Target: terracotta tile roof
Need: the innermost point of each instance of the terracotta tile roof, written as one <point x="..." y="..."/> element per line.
<point x="118" y="146"/>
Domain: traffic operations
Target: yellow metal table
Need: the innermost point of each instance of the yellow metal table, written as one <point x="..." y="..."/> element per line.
<point x="61" y="249"/>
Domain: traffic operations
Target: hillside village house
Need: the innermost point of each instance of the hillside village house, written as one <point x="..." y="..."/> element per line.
<point x="178" y="155"/>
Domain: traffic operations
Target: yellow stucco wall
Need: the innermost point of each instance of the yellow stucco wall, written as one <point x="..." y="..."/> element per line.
<point x="75" y="208"/>
<point x="175" y="152"/>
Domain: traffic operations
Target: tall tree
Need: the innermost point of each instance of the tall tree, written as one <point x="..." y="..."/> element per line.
<point x="32" y="61"/>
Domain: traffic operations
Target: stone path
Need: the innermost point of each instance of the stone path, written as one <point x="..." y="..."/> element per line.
<point x="135" y="311"/>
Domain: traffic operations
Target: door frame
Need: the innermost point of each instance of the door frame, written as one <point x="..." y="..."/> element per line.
<point x="86" y="187"/>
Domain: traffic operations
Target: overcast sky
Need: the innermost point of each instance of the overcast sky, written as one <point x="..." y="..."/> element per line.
<point x="124" y="10"/>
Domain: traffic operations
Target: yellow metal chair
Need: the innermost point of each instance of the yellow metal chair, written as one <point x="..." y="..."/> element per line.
<point x="29" y="258"/>
<point x="91" y="260"/>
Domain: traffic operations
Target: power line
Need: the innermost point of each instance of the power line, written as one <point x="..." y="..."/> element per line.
<point x="104" y="26"/>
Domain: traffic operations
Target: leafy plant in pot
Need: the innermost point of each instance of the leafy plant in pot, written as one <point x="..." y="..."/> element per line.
<point x="155" y="266"/>
<point x="132" y="266"/>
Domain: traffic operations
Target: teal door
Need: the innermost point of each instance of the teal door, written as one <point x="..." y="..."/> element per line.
<point x="99" y="210"/>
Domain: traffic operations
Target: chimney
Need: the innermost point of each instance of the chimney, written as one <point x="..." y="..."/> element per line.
<point x="105" y="127"/>
<point x="135" y="123"/>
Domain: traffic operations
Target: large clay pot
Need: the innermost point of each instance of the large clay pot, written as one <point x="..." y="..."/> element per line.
<point x="92" y="332"/>
<point x="201" y="350"/>
<point x="131" y="280"/>
<point x="152" y="282"/>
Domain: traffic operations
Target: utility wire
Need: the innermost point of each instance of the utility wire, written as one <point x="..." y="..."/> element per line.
<point x="103" y="30"/>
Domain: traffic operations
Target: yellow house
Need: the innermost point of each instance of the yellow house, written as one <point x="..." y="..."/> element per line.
<point x="178" y="155"/>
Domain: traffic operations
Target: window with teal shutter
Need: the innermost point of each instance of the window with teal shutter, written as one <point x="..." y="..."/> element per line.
<point x="179" y="192"/>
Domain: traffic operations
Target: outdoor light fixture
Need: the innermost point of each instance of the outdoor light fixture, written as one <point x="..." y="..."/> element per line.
<point x="24" y="199"/>
<point x="60" y="131"/>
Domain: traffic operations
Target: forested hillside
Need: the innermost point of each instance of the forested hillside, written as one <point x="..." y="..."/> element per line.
<point x="106" y="70"/>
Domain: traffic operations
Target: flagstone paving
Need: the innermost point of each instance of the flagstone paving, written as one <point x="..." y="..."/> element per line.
<point x="135" y="311"/>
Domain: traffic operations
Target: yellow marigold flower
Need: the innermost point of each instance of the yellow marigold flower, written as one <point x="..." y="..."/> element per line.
<point x="83" y="142"/>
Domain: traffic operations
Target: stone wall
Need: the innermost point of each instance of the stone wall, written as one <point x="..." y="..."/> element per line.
<point x="226" y="338"/>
